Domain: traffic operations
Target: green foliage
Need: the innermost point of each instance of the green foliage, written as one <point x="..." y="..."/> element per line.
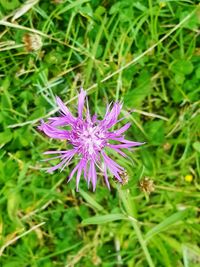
<point x="104" y="219"/>
<point x="94" y="44"/>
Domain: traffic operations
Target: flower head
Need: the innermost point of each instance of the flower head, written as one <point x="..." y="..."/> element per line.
<point x="89" y="138"/>
<point x="32" y="42"/>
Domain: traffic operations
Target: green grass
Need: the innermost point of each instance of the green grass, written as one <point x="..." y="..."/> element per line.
<point x="145" y="53"/>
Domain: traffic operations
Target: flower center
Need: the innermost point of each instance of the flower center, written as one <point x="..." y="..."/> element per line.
<point x="89" y="139"/>
<point x="92" y="140"/>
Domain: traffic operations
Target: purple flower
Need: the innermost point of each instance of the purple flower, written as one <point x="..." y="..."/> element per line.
<point x="89" y="138"/>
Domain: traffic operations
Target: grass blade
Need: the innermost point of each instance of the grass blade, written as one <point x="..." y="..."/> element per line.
<point x="104" y="219"/>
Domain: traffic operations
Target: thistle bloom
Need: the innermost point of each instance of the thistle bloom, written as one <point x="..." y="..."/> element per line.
<point x="89" y="138"/>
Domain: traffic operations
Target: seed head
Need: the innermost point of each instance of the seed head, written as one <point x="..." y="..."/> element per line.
<point x="147" y="185"/>
<point x="32" y="42"/>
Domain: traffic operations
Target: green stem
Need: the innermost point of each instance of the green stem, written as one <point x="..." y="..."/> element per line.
<point x="125" y="197"/>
